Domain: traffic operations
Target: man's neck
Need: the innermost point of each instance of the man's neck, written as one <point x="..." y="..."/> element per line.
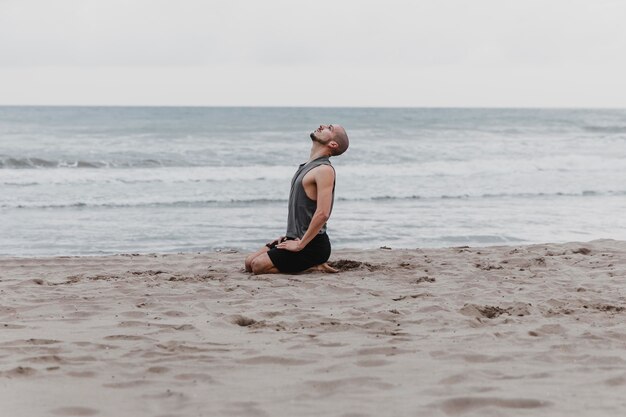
<point x="318" y="153"/>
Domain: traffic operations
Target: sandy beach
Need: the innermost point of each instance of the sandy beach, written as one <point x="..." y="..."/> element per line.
<point x="498" y="331"/>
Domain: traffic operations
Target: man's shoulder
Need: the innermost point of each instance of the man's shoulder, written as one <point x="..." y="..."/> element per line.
<point x="322" y="173"/>
<point x="324" y="169"/>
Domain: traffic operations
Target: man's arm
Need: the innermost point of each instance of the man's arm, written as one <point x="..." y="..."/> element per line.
<point x="324" y="181"/>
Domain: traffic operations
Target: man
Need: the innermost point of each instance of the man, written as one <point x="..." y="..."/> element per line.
<point x="306" y="244"/>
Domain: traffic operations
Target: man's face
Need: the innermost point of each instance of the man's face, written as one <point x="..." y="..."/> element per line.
<point x="323" y="134"/>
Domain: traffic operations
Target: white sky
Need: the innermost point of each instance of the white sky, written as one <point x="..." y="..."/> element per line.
<point x="495" y="53"/>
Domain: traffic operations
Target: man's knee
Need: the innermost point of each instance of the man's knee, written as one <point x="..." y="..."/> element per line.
<point x="252" y="256"/>
<point x="248" y="262"/>
<point x="257" y="265"/>
<point x="261" y="265"/>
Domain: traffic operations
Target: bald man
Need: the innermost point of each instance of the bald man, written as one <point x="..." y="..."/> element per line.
<point x="306" y="244"/>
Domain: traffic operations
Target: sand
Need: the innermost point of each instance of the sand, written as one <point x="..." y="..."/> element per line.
<point x="499" y="331"/>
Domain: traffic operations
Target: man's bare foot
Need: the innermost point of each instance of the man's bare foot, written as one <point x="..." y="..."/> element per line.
<point x="323" y="268"/>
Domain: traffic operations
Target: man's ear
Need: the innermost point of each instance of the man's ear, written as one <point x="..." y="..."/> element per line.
<point x="333" y="145"/>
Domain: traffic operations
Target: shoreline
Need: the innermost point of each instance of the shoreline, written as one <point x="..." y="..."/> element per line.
<point x="496" y="330"/>
<point x="339" y="251"/>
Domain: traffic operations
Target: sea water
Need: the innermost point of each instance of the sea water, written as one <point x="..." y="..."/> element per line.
<point x="103" y="180"/>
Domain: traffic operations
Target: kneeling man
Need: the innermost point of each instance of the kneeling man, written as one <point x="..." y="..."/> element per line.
<point x="306" y="245"/>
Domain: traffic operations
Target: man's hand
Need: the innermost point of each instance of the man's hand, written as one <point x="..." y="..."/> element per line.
<point x="290" y="245"/>
<point x="275" y="242"/>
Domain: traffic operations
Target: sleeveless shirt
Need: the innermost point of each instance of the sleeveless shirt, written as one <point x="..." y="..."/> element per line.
<point x="301" y="207"/>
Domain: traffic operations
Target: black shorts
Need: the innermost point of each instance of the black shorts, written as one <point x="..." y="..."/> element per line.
<point x="315" y="253"/>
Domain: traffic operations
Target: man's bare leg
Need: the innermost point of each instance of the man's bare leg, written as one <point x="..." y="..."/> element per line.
<point x="262" y="264"/>
<point x="250" y="258"/>
<point x="259" y="264"/>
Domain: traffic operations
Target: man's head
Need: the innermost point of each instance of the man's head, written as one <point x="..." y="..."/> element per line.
<point x="332" y="136"/>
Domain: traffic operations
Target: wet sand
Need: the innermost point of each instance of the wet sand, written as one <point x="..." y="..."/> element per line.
<point x="499" y="331"/>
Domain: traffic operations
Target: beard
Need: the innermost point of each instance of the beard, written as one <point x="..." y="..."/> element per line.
<point x="318" y="140"/>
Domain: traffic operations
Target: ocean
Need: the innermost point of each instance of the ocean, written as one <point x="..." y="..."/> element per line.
<point x="107" y="180"/>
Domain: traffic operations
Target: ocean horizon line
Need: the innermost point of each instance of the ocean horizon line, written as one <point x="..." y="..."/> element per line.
<point x="210" y="106"/>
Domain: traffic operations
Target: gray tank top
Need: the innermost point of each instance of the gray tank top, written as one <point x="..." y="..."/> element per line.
<point x="301" y="207"/>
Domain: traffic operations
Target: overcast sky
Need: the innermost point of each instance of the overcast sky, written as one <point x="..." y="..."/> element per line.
<point x="495" y="53"/>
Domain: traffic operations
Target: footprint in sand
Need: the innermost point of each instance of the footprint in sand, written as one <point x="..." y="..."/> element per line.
<point x="20" y="371"/>
<point x="277" y="360"/>
<point x="174" y="313"/>
<point x="74" y="411"/>
<point x="12" y="326"/>
<point x="46" y="359"/>
<point x="125" y="337"/>
<point x="158" y="369"/>
<point x="195" y="377"/>
<point x="41" y="341"/>
<point x="95" y="346"/>
<point x="462" y="405"/>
